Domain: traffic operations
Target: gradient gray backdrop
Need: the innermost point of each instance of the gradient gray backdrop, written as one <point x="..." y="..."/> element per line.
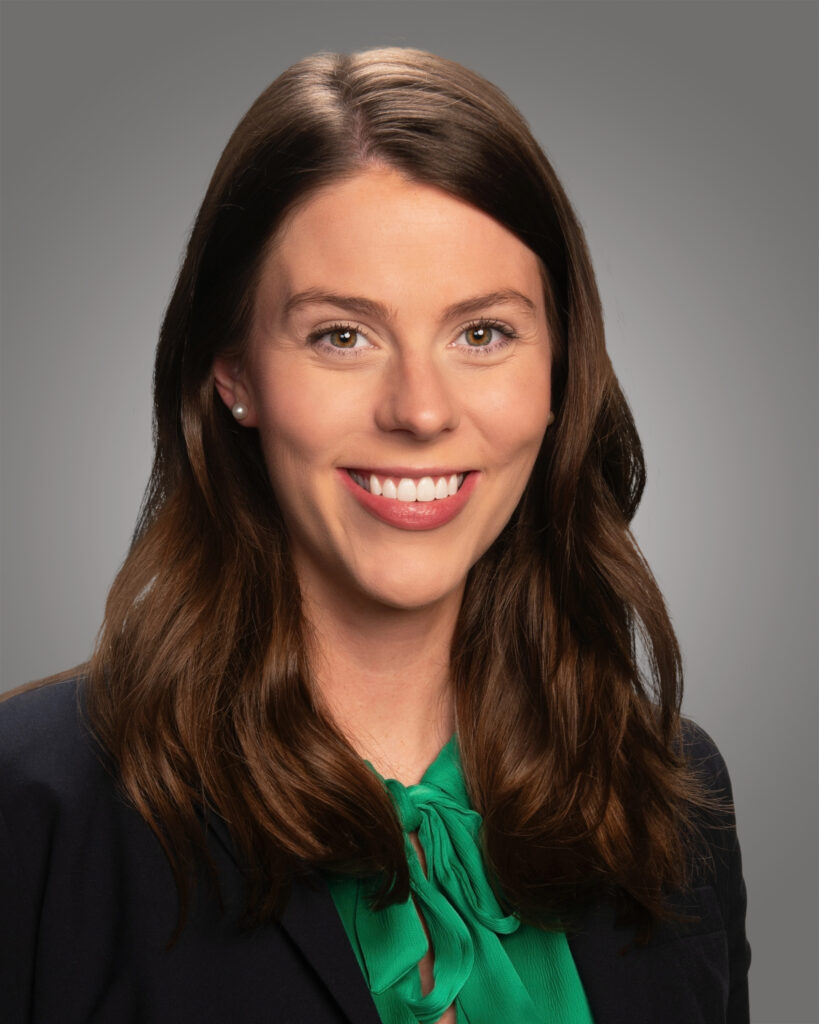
<point x="686" y="136"/>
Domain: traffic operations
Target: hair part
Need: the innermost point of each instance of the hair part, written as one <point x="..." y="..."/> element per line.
<point x="566" y="670"/>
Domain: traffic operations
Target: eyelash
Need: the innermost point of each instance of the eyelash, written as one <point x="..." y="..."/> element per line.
<point x="507" y="333"/>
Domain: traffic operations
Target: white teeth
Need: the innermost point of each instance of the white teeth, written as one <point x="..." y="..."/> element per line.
<point x="407" y="489"/>
<point x="425" y="489"/>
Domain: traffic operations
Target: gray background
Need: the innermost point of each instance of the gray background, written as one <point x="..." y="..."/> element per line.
<point x="686" y="134"/>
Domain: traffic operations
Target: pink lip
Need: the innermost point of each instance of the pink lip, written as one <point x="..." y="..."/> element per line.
<point x="411" y="472"/>
<point x="411" y="515"/>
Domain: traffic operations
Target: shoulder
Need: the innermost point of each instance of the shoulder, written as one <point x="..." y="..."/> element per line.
<point x="54" y="792"/>
<point x="77" y="864"/>
<point x="45" y="740"/>
<point x="718" y="860"/>
<point x="40" y="707"/>
<point x="716" y="895"/>
<point x="55" y="781"/>
<point x="702" y="753"/>
<point x="714" y="819"/>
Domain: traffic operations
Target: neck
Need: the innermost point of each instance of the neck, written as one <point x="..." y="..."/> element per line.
<point x="383" y="676"/>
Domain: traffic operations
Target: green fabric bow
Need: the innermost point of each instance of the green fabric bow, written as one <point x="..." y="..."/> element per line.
<point x="466" y="924"/>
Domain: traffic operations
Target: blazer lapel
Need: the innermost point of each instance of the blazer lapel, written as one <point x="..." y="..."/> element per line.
<point x="311" y="921"/>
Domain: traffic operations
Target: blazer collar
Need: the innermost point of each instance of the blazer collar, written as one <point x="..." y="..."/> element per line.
<point x="311" y="921"/>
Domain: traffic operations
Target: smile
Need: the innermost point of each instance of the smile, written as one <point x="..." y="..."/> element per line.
<point x="409" y="489"/>
<point x="424" y="502"/>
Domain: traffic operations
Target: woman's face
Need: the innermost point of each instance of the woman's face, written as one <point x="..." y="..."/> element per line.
<point x="398" y="375"/>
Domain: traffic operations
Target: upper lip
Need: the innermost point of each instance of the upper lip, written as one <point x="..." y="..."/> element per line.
<point x="408" y="471"/>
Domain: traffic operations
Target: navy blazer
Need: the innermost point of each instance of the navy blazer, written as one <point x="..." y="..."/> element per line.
<point x="87" y="905"/>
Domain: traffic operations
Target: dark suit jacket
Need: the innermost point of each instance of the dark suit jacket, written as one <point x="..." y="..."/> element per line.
<point x="87" y="905"/>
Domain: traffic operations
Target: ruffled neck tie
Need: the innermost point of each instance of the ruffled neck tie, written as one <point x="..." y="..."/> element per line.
<point x="462" y="915"/>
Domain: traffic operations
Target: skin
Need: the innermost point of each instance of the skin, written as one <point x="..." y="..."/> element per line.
<point x="414" y="391"/>
<point x="413" y="384"/>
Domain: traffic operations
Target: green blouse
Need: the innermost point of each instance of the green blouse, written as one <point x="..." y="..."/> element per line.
<point x="489" y="964"/>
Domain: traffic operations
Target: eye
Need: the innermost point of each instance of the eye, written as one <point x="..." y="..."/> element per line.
<point x="343" y="337"/>
<point x="486" y="336"/>
<point x="339" y="338"/>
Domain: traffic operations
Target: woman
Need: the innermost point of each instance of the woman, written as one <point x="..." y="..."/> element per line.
<point x="383" y="721"/>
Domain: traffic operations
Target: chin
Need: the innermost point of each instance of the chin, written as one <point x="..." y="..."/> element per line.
<point x="408" y="595"/>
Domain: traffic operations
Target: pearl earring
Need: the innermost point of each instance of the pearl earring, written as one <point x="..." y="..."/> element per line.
<point x="551" y="419"/>
<point x="239" y="411"/>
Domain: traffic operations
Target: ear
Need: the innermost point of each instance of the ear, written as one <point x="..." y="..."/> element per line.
<point x="230" y="383"/>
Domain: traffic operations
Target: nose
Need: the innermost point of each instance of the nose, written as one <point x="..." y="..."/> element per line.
<point x="416" y="398"/>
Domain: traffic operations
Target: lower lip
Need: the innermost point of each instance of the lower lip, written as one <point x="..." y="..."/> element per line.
<point x="412" y="515"/>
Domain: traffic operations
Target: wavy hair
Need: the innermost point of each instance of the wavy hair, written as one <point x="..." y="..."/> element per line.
<point x="566" y="671"/>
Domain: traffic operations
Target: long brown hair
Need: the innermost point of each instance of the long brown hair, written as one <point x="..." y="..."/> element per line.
<point x="566" y="671"/>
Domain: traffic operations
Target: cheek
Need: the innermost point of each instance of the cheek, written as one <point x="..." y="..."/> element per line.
<point x="301" y="422"/>
<point x="515" y="416"/>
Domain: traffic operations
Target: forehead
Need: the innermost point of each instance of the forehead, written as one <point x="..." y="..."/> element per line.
<point x="378" y="232"/>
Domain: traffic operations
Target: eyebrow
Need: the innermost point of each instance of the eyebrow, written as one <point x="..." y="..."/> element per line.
<point x="369" y="307"/>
